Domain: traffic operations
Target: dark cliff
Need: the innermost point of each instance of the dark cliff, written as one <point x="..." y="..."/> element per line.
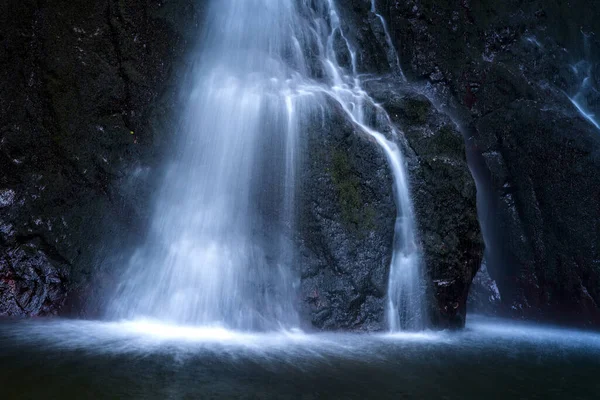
<point x="88" y="99"/>
<point x="505" y="71"/>
<point x="87" y="94"/>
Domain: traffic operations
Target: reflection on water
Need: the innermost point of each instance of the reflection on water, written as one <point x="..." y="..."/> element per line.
<point x="144" y="359"/>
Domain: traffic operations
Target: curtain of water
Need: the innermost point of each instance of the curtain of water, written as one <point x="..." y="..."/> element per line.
<point x="266" y="68"/>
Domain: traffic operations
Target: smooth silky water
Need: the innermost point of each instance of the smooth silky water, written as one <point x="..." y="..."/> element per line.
<point x="206" y="306"/>
<point x="217" y="253"/>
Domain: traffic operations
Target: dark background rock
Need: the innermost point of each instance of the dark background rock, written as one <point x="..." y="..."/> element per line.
<point x="88" y="91"/>
<point x="503" y="70"/>
<point x="484" y="295"/>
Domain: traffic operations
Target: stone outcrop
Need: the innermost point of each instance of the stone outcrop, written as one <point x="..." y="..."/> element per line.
<point x="345" y="226"/>
<point x="444" y="198"/>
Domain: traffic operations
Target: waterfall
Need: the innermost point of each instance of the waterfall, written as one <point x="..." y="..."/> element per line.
<point x="219" y="251"/>
<point x="216" y="254"/>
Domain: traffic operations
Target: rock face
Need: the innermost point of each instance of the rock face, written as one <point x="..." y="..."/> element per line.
<point x="505" y="71"/>
<point x="484" y="296"/>
<point x="444" y="198"/>
<point x="87" y="93"/>
<point x="348" y="213"/>
<point x="345" y="226"/>
<point x="445" y="204"/>
<point x="443" y="190"/>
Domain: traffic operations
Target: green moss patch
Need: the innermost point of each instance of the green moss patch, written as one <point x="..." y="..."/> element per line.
<point x="348" y="189"/>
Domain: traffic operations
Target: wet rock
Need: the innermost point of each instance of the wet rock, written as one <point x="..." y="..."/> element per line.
<point x="364" y="31"/>
<point x="444" y="198"/>
<point x="345" y="226"/>
<point x="505" y="71"/>
<point x="31" y="281"/>
<point x="87" y="94"/>
<point x="484" y="295"/>
<point x="347" y="220"/>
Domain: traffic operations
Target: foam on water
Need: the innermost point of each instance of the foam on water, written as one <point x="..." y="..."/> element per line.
<point x="148" y="359"/>
<point x="147" y="336"/>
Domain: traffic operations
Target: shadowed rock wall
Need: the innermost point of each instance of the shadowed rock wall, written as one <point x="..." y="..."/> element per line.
<point x="504" y="71"/>
<point x="87" y="94"/>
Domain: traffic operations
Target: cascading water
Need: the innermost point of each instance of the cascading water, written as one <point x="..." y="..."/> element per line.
<point x="218" y="252"/>
<point x="587" y="97"/>
<point x="394" y="60"/>
<point x="209" y="260"/>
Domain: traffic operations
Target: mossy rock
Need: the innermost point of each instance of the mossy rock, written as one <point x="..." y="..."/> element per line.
<point x="347" y="184"/>
<point x="447" y="141"/>
<point x="417" y="110"/>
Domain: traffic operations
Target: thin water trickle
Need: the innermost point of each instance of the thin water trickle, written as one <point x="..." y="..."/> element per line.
<point x="394" y="59"/>
<point x="587" y="96"/>
<point x="219" y="253"/>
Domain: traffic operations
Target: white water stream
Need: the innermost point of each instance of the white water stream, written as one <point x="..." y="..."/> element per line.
<point x="265" y="68"/>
